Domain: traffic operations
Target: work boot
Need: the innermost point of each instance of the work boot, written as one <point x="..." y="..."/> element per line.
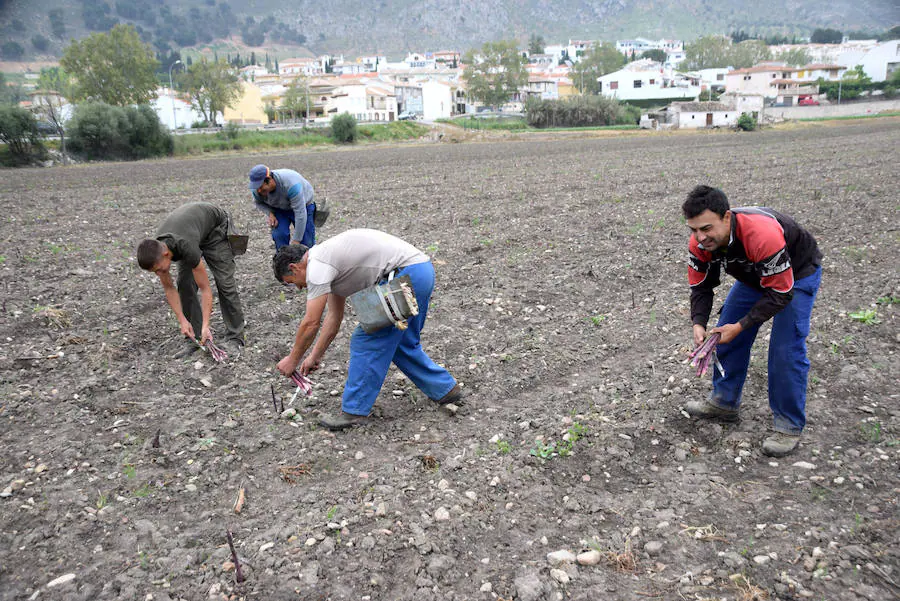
<point x="342" y="421"/>
<point x="454" y="396"/>
<point x="233" y="348"/>
<point x="188" y="348"/>
<point x="780" y="444"/>
<point x="707" y="409"/>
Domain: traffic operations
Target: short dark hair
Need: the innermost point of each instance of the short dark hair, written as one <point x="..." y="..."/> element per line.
<point x="290" y="253"/>
<point x="702" y="198"/>
<point x="149" y="251"/>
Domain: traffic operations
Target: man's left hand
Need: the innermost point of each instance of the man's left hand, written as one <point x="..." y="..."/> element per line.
<point x="205" y="335"/>
<point x="287" y="366"/>
<point x="295" y="242"/>
<point x="727" y="332"/>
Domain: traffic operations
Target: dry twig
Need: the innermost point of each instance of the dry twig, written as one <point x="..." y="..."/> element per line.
<point x="291" y="473"/>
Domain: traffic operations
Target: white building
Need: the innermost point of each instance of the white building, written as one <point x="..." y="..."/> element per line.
<point x="779" y="82"/>
<point x="639" y="45"/>
<point x="437" y="100"/>
<point x="878" y="62"/>
<point x="646" y="80"/>
<point x="176" y="113"/>
<point x="695" y="115"/>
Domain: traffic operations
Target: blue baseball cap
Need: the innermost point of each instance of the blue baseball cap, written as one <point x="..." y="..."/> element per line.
<point x="257" y="175"/>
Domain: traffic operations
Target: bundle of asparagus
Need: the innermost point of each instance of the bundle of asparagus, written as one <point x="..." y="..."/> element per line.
<point x="215" y="352"/>
<point x="705" y="354"/>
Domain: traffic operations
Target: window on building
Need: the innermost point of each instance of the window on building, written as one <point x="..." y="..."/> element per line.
<point x="652" y="82"/>
<point x="720" y="77"/>
<point x="638" y="83"/>
<point x="613" y="85"/>
<point x="746" y="77"/>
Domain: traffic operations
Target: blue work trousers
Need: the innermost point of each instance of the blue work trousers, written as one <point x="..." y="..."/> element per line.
<point x="281" y="233"/>
<point x="371" y="354"/>
<point x="788" y="363"/>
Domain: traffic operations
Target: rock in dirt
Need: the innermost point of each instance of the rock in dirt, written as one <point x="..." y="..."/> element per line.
<point x="557" y="558"/>
<point x="529" y="587"/>
<point x="442" y="514"/>
<point x="589" y="558"/>
<point x="805" y="465"/>
<point x="653" y="548"/>
<point x="559" y="575"/>
<point x="61" y="580"/>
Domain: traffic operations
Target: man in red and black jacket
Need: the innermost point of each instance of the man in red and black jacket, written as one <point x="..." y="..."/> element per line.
<point x="777" y="267"/>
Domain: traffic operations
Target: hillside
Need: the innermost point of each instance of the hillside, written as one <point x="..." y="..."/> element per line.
<point x="43" y="28"/>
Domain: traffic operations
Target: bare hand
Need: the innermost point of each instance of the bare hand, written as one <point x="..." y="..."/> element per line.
<point x="205" y="336"/>
<point x="187" y="329"/>
<point x="699" y="335"/>
<point x="728" y="332"/>
<point x="309" y="364"/>
<point x="273" y="221"/>
<point x="287" y="366"/>
<point x="296" y="242"/>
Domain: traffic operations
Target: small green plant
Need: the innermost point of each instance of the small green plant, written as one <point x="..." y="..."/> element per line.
<point x="871" y="431"/>
<point x="144" y="560"/>
<point x="597" y="319"/>
<point x="882" y="300"/>
<point x="476" y="221"/>
<point x="432" y="249"/>
<point x="332" y="511"/>
<point x="542" y="450"/>
<point x="503" y="447"/>
<point x="144" y="490"/>
<point x="129" y="470"/>
<point x="867" y="317"/>
<point x="102" y="500"/>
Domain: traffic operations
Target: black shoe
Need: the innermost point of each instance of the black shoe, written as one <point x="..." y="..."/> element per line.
<point x="708" y="410"/>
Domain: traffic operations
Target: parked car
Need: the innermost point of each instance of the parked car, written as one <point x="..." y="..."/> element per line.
<point x="807" y="101"/>
<point x="407" y="116"/>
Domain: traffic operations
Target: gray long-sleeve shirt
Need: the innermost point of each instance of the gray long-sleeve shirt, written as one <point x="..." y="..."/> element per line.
<point x="292" y="193"/>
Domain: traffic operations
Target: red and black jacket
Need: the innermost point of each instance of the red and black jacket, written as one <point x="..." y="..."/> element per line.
<point x="767" y="251"/>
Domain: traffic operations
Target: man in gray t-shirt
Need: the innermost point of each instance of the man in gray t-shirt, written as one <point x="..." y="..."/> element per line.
<point x="337" y="268"/>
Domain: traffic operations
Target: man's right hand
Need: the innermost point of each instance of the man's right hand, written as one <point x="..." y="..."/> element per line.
<point x="699" y="335"/>
<point x="273" y="221"/>
<point x="187" y="329"/>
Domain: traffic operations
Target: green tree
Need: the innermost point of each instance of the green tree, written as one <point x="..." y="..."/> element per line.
<point x="115" y="68"/>
<point x="296" y="99"/>
<point x="343" y="128"/>
<point x="12" y="50"/>
<point x="40" y="43"/>
<point x="212" y="86"/>
<point x="12" y="93"/>
<point x="796" y="57"/>
<point x="747" y="54"/>
<point x="857" y="75"/>
<point x="536" y="44"/>
<point x="55" y="79"/>
<point x="826" y="36"/>
<point x="708" y="52"/>
<point x="599" y="60"/>
<point x="656" y="54"/>
<point x="18" y="131"/>
<point x="495" y="73"/>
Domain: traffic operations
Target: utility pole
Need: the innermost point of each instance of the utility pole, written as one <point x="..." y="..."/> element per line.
<point x="174" y="118"/>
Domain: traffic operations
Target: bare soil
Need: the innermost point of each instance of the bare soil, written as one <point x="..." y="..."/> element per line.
<point x="562" y="306"/>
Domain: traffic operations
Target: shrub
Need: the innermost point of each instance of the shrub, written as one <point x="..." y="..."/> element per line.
<point x="101" y="131"/>
<point x="579" y="111"/>
<point x="19" y="131"/>
<point x="343" y="128"/>
<point x="746" y="122"/>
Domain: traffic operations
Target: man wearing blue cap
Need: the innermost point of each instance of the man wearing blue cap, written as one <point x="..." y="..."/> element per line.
<point x="288" y="199"/>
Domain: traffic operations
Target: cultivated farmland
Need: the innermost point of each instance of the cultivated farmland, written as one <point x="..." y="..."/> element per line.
<point x="561" y="305"/>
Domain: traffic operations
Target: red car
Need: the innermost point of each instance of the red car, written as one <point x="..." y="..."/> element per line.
<point x="807" y="101"/>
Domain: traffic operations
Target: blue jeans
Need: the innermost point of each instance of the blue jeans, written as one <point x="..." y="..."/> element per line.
<point x="371" y="354"/>
<point x="281" y="233"/>
<point x="788" y="363"/>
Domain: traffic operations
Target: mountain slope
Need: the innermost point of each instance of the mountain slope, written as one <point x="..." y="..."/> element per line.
<point x="393" y="27"/>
